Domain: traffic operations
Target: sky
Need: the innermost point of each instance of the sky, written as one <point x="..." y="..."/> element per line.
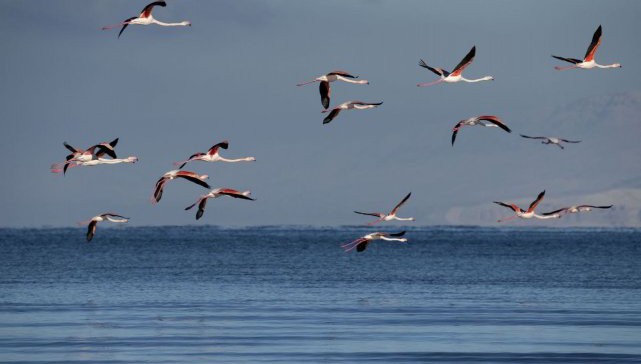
<point x="170" y="92"/>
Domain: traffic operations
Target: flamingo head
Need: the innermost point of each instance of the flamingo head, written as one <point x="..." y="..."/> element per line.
<point x="185" y="23"/>
<point x="203" y="177"/>
<point x="488" y="78"/>
<point x="617" y="65"/>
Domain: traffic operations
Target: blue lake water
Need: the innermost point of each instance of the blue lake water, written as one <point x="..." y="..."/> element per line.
<point x="291" y="295"/>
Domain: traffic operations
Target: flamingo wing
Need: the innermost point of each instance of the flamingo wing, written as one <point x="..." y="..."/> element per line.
<point x="125" y="25"/>
<point x="531" y="137"/>
<point x="376" y="214"/>
<point x="594" y="45"/>
<point x="398" y="206"/>
<point x="195" y="180"/>
<point x="91" y="229"/>
<point x="397" y="234"/>
<point x="147" y="10"/>
<point x="536" y="202"/>
<point x="437" y="71"/>
<point x="234" y="193"/>
<point x="496" y="121"/>
<point x="464" y="62"/>
<point x="555" y="211"/>
<point x="160" y="184"/>
<point x="70" y="148"/>
<point x="362" y="245"/>
<point x="332" y="115"/>
<point x="570" y="60"/>
<point x="341" y="73"/>
<point x="201" y="208"/>
<point x="512" y="207"/>
<point x="214" y="149"/>
<point x="325" y="93"/>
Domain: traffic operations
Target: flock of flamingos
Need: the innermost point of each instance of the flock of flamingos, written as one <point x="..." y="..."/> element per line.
<point x="104" y="152"/>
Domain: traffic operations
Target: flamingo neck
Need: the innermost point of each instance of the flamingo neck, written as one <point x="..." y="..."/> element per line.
<point x="181" y="24"/>
<point x="486" y="78"/>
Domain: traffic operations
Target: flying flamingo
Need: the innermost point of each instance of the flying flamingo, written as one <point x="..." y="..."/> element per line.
<point x="391" y="216"/>
<point x="348" y="105"/>
<point x="62" y="167"/>
<point x="588" y="61"/>
<point x="93" y="222"/>
<point x="455" y="76"/>
<point x="213" y="155"/>
<point x="202" y="201"/>
<point x="145" y="18"/>
<point x="574" y="210"/>
<point x="81" y="155"/>
<point x="483" y="120"/>
<point x="325" y="80"/>
<point x="525" y="214"/>
<point x="361" y="243"/>
<point x="190" y="176"/>
<point x="552" y="140"/>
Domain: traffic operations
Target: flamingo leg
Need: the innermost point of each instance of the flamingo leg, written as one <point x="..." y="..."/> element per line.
<point x="306" y="83"/>
<point x="429" y="83"/>
<point x="508" y="218"/>
<point x="374" y="222"/>
<point x="565" y="68"/>
<point x="107" y="27"/>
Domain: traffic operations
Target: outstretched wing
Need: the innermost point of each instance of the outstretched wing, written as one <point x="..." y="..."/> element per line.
<point x="397" y="234"/>
<point x="325" y="93"/>
<point x="455" y="130"/>
<point x="147" y="10"/>
<point x="235" y="194"/>
<point x="438" y="71"/>
<point x="125" y="25"/>
<point x="341" y="73"/>
<point x="91" y="230"/>
<point x="555" y="211"/>
<point x="570" y="60"/>
<point x="201" y="208"/>
<point x="214" y="149"/>
<point x="531" y="137"/>
<point x="512" y="207"/>
<point x="195" y="180"/>
<point x="71" y="149"/>
<point x="464" y="62"/>
<point x="376" y="214"/>
<point x="361" y="246"/>
<point x="398" y="206"/>
<point x="332" y="115"/>
<point x="496" y="121"/>
<point x="594" y="45"/>
<point x="536" y="202"/>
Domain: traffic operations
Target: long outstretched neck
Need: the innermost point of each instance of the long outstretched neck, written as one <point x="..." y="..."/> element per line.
<point x="180" y="24"/>
<point x="345" y="79"/>
<point x="246" y="159"/>
<point x="393" y="239"/>
<point x="404" y="218"/>
<point x="613" y="65"/>
<point x="486" y="78"/>
<point x="545" y="217"/>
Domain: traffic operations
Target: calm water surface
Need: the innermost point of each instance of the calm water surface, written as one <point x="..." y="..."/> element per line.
<point x="283" y="295"/>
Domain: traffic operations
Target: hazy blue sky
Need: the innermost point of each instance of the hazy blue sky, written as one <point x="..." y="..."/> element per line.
<point x="170" y="92"/>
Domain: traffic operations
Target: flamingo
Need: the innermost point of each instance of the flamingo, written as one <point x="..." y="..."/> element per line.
<point x="213" y="155"/>
<point x="93" y="222"/>
<point x="574" y="210"/>
<point x="552" y="140"/>
<point x="80" y="155"/>
<point x="392" y="215"/>
<point x="202" y="201"/>
<point x="588" y="61"/>
<point x="525" y="214"/>
<point x="455" y="76"/>
<point x="361" y="243"/>
<point x="326" y="79"/>
<point x="145" y="18"/>
<point x="483" y="120"/>
<point x="62" y="167"/>
<point x="173" y="174"/>
<point x="348" y="105"/>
